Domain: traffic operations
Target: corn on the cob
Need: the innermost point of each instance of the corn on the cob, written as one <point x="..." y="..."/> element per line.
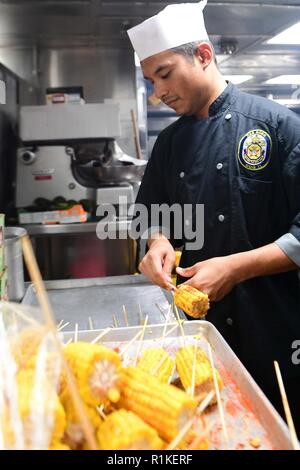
<point x="74" y="435"/>
<point x="58" y="445"/>
<point x="163" y="406"/>
<point x="50" y="419"/>
<point x="157" y="362"/>
<point x="203" y="381"/>
<point x="192" y="301"/>
<point x="123" y="430"/>
<point x="26" y="344"/>
<point x="95" y="368"/>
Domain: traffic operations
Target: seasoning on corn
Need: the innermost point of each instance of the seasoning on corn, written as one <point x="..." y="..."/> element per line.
<point x="165" y="407"/>
<point x="96" y="370"/>
<point x="204" y="381"/>
<point x="123" y="430"/>
<point x="192" y="301"/>
<point x="157" y="362"/>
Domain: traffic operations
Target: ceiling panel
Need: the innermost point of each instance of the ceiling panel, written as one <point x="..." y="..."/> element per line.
<point x="238" y="26"/>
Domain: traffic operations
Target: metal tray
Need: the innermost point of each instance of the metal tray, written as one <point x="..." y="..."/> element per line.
<point x="77" y="300"/>
<point x="248" y="413"/>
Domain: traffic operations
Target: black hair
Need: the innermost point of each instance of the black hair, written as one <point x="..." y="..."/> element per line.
<point x="189" y="50"/>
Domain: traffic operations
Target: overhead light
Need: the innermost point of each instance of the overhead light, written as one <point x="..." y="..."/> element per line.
<point x="284" y="80"/>
<point x="238" y="79"/>
<point x="288" y="36"/>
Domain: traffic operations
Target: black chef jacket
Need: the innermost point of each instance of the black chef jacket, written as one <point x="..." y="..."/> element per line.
<point x="243" y="163"/>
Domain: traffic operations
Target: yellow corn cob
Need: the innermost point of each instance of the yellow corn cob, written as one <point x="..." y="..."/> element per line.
<point x="204" y="381"/>
<point x="57" y="445"/>
<point x="123" y="430"/>
<point x="52" y="420"/>
<point x="192" y="301"/>
<point x="26" y="344"/>
<point x="74" y="435"/>
<point x="95" y="368"/>
<point x="163" y="406"/>
<point x="157" y="362"/>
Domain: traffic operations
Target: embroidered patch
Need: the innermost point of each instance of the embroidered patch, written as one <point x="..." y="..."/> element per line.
<point x="255" y="150"/>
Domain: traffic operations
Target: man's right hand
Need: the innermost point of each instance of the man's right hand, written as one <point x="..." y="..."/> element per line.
<point x="159" y="262"/>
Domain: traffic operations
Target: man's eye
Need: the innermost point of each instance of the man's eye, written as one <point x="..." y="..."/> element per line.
<point x="165" y="76"/>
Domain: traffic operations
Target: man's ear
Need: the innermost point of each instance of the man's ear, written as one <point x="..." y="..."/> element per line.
<point x="205" y="54"/>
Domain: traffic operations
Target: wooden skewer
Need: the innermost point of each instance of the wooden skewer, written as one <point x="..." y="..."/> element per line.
<point x="286" y="407"/>
<point x="140" y="342"/>
<point x="192" y="388"/>
<point x="217" y="390"/>
<point x="101" y="412"/>
<point x="201" y="436"/>
<point x="68" y="342"/>
<point x="115" y="321"/>
<point x="125" y="349"/>
<point x="42" y="295"/>
<point x="63" y="326"/>
<point x="22" y="315"/>
<point x="103" y="333"/>
<point x="180" y="325"/>
<point x="165" y="326"/>
<point x="156" y="368"/>
<point x="60" y="323"/>
<point x="76" y="333"/>
<point x="171" y="376"/>
<point x="125" y="315"/>
<point x="190" y="422"/>
<point x="170" y="331"/>
<point x="91" y="326"/>
<point x="141" y="315"/>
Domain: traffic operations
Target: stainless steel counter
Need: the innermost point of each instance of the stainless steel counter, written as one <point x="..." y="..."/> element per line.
<point x="77" y="300"/>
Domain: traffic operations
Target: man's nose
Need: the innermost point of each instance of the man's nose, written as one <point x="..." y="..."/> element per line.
<point x="160" y="91"/>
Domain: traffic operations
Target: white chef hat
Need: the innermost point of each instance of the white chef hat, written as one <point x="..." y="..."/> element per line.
<point x="174" y="26"/>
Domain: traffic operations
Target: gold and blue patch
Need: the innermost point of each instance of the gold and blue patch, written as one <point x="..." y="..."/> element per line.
<point x="254" y="150"/>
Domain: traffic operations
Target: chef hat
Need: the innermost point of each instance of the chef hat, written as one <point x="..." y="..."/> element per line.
<point x="174" y="26"/>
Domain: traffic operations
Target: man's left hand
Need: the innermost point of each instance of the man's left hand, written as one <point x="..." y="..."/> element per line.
<point x="214" y="277"/>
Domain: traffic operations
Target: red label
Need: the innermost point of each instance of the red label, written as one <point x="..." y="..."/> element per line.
<point x="43" y="177"/>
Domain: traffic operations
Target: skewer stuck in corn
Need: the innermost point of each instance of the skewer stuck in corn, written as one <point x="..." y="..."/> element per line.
<point x="192" y="301"/>
<point x="204" y="380"/>
<point x="157" y="362"/>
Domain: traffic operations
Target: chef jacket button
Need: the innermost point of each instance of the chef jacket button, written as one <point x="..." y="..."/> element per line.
<point x="228" y="117"/>
<point x="221" y="218"/>
<point x="219" y="166"/>
<point x="181" y="174"/>
<point x="229" y="321"/>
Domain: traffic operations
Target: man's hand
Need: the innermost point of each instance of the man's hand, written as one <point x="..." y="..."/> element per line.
<point x="217" y="276"/>
<point x="158" y="263"/>
<point x="214" y="277"/>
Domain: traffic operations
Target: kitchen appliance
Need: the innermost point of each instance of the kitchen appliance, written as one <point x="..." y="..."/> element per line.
<point x="70" y="152"/>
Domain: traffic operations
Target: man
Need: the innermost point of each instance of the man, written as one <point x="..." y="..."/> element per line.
<point x="239" y="155"/>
